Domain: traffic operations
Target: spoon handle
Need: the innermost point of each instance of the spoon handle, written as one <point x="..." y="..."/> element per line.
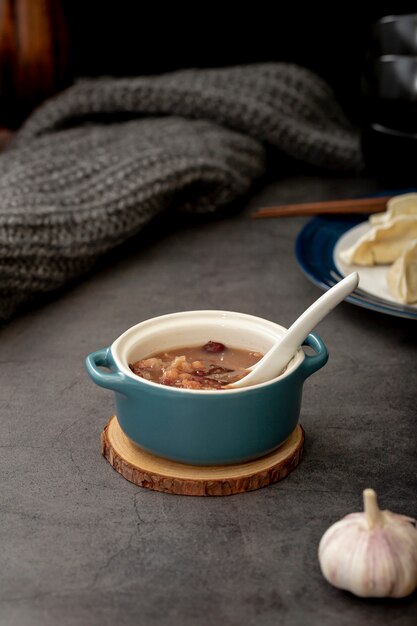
<point x="296" y="334"/>
<point x="281" y="353"/>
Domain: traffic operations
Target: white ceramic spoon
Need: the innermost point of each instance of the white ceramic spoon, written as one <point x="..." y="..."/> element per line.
<point x="282" y="352"/>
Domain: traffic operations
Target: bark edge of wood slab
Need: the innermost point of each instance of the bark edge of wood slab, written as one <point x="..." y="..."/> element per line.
<point x="153" y="472"/>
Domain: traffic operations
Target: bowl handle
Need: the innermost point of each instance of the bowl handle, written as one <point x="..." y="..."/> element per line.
<point x="115" y="381"/>
<point x="313" y="363"/>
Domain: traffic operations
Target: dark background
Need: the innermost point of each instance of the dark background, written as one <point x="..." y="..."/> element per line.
<point x="45" y="45"/>
<point x="119" y="39"/>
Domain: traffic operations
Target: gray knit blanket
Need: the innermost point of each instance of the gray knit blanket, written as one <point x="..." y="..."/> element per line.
<point x="94" y="164"/>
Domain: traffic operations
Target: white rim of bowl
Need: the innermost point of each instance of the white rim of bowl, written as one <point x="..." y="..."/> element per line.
<point x="199" y="392"/>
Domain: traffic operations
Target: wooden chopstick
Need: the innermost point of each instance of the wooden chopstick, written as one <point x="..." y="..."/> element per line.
<point x="353" y="205"/>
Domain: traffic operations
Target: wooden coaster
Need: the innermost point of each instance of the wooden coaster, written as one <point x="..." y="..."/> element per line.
<point x="154" y="472"/>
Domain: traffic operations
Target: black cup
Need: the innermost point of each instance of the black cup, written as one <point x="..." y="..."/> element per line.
<point x="389" y="138"/>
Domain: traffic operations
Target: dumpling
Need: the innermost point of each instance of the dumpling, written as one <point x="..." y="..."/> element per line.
<point x="402" y="275"/>
<point x="384" y="243"/>
<point x="406" y="204"/>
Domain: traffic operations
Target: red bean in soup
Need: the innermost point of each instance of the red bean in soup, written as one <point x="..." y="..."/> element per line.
<point x="212" y="366"/>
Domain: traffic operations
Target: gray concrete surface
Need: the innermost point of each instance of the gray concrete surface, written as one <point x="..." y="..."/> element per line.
<point x="82" y="546"/>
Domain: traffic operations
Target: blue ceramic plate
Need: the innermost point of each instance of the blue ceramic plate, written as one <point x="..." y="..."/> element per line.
<point x="317" y="251"/>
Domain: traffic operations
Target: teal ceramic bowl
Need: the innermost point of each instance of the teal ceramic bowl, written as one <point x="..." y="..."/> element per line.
<point x="213" y="427"/>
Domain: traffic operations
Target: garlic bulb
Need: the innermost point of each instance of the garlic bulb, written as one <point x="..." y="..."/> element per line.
<point x="372" y="554"/>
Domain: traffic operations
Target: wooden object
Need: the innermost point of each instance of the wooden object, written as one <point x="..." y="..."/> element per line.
<point x="153" y="472"/>
<point x="6" y="136"/>
<point x="355" y="205"/>
<point x="34" y="56"/>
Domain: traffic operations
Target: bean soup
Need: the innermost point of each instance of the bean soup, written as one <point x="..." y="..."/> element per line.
<point x="212" y="366"/>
